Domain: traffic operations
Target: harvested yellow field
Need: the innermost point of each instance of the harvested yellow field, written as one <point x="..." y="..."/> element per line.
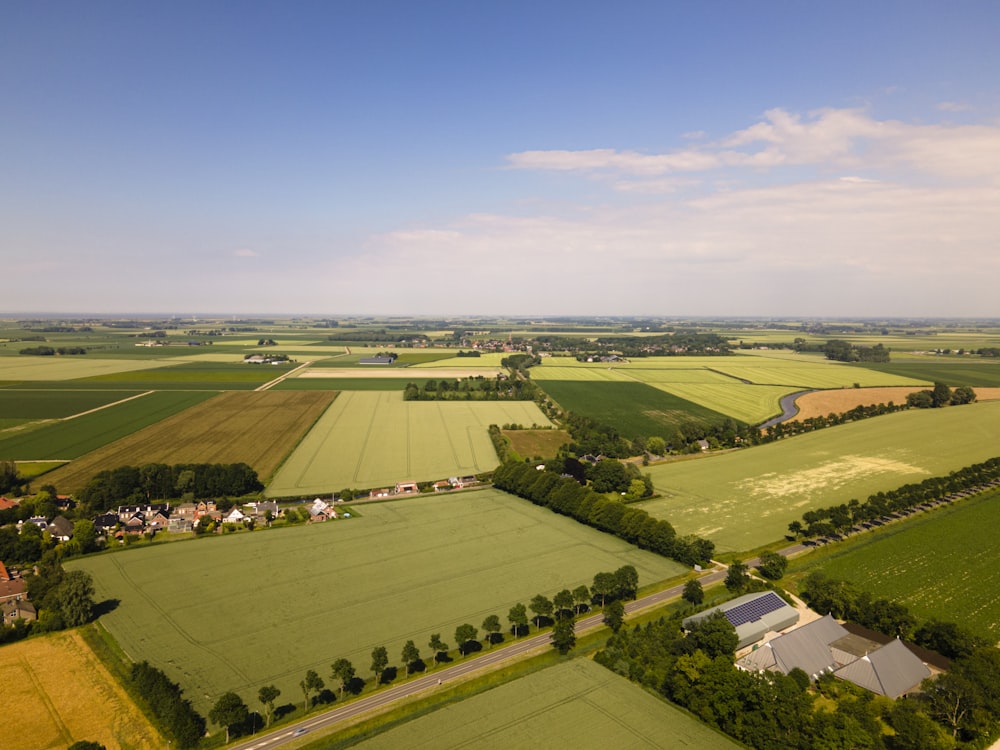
<point x="822" y="403"/>
<point x="258" y="428"/>
<point x="56" y="692"/>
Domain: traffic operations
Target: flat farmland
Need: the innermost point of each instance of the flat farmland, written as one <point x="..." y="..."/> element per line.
<point x="483" y="361"/>
<point x="954" y="372"/>
<point x="752" y="404"/>
<point x="56" y="692"/>
<point x="72" y="438"/>
<point x="544" y="443"/>
<point x="238" y="612"/>
<point x="839" y="400"/>
<point x="257" y="428"/>
<point x="196" y="375"/>
<point x="635" y="409"/>
<point x="372" y="438"/>
<point x="938" y="564"/>
<point x="55" y="404"/>
<point x="745" y="499"/>
<point x="393" y="373"/>
<point x="68" y="367"/>
<point x="576" y="704"/>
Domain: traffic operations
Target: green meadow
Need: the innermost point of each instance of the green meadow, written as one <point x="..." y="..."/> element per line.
<point x="744" y="499"/>
<point x="55" y="405"/>
<point x="576" y="704"/>
<point x="246" y="610"/>
<point x="368" y="439"/>
<point x="938" y="564"/>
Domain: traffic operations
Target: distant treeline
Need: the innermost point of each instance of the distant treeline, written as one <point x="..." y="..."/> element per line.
<point x="133" y="485"/>
<point x="380" y="336"/>
<point x="477" y="388"/>
<point x="48" y="351"/>
<point x="839" y="518"/>
<point x="568" y="497"/>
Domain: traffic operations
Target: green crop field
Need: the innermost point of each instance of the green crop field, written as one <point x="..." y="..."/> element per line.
<point x="196" y="375"/>
<point x="257" y="428"/>
<point x="483" y="361"/>
<point x="370" y="438"/>
<point x="944" y="564"/>
<point x="30" y="405"/>
<point x="747" y="498"/>
<point x="747" y="403"/>
<point x="635" y="409"/>
<point x="576" y="704"/>
<point x="978" y="372"/>
<point x="344" y="384"/>
<point x="20" y="368"/>
<point x="238" y="612"/>
<point x="73" y="438"/>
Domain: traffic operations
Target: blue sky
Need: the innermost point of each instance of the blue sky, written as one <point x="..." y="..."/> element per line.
<point x="560" y="158"/>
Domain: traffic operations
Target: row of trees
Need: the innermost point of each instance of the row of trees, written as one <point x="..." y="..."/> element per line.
<point x="476" y="388"/>
<point x="843" y="351"/>
<point x="864" y="411"/>
<point x="610" y="588"/>
<point x="132" y="485"/>
<point x="941" y="395"/>
<point x="48" y="351"/>
<point x="568" y="497"/>
<point x="164" y="700"/>
<point x="840" y="518"/>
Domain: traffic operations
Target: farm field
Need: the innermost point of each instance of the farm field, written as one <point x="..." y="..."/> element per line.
<point x="238" y="612"/>
<point x="837" y="401"/>
<point x="20" y="368"/>
<point x="943" y="564"/>
<point x="752" y="404"/>
<point x="635" y="409"/>
<point x="394" y="373"/>
<point x="368" y="439"/>
<point x="576" y="704"/>
<point x="744" y="499"/>
<point x="976" y="372"/>
<point x="544" y="443"/>
<point x="256" y="428"/>
<point x="56" y="692"/>
<point x="73" y="438"/>
<point x="31" y="405"/>
<point x="197" y="375"/>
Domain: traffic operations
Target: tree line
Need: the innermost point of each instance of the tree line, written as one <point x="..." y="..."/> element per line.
<point x="476" y="388"/>
<point x="230" y="711"/>
<point x="133" y="485"/>
<point x="48" y="351"/>
<point x="840" y="518"/>
<point x="568" y="497"/>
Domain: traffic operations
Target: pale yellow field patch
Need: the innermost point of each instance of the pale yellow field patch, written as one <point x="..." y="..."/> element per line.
<point x="56" y="692"/>
<point x="822" y="403"/>
<point x="69" y="368"/>
<point x="830" y="476"/>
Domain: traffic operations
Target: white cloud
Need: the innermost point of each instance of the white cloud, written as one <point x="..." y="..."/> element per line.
<point x="245" y="253"/>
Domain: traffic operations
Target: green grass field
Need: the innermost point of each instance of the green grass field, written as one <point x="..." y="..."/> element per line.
<point x="977" y="372"/>
<point x="55" y="405"/>
<point x="20" y="368"/>
<point x="747" y="498"/>
<point x="372" y="438"/>
<point x="196" y="375"/>
<point x="242" y="611"/>
<point x="752" y="404"/>
<point x="635" y="409"/>
<point x="944" y="564"/>
<point x="73" y="438"/>
<point x="576" y="704"/>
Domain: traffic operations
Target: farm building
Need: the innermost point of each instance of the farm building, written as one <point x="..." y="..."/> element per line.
<point x="889" y="669"/>
<point x="753" y="615"/>
<point x="384" y="360"/>
<point x="61" y="528"/>
<point x="12" y="611"/>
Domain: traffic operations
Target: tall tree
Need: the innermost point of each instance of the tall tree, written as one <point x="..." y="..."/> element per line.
<point x="492" y="626"/>
<point x="542" y="607"/>
<point x="772" y="565"/>
<point x="465" y="634"/>
<point x="563" y="602"/>
<point x="614" y="615"/>
<point x="267" y="695"/>
<point x="581" y="598"/>
<point x="75" y="597"/>
<point x="736" y="577"/>
<point x="411" y="655"/>
<point x="626" y="582"/>
<point x="380" y="660"/>
<point x="604" y="586"/>
<point x="693" y="592"/>
<point x="437" y="646"/>
<point x="229" y="710"/>
<point x="564" y="636"/>
<point x="518" y="618"/>
<point x="312" y="683"/>
<point x="343" y="671"/>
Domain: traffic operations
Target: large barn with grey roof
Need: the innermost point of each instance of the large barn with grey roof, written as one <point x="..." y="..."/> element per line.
<point x="753" y="616"/>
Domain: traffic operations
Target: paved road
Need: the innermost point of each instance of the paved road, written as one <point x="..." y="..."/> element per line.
<point x="484" y="662"/>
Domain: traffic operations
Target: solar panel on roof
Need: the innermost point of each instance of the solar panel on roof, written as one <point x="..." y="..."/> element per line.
<point x="755" y="609"/>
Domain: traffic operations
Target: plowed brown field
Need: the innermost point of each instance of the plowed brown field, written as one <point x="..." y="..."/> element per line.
<point x="258" y="428"/>
<point x="822" y="403"/>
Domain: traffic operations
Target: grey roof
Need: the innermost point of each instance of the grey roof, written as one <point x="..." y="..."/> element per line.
<point x="749" y="630"/>
<point x="891" y="670"/>
<point x="806" y="648"/>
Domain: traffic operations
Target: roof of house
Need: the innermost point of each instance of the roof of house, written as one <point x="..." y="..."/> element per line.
<point x="4" y="575"/>
<point x="753" y="615"/>
<point x="61" y="526"/>
<point x="807" y="648"/>
<point x="12" y="589"/>
<point x="6" y="503"/>
<point x="891" y="670"/>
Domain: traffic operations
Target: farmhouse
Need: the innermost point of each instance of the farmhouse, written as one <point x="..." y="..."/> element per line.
<point x="403" y="487"/>
<point x="827" y="646"/>
<point x="12" y="590"/>
<point x="10" y="612"/>
<point x="235" y="516"/>
<point x="61" y="528"/>
<point x="753" y="616"/>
